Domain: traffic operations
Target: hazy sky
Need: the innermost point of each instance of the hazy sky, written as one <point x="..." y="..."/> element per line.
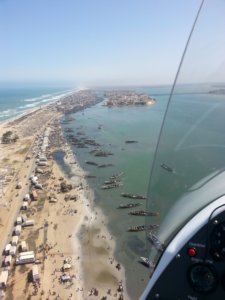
<point x="90" y="42"/>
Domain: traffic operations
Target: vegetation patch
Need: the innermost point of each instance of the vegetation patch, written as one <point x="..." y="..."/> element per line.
<point x="9" y="137"/>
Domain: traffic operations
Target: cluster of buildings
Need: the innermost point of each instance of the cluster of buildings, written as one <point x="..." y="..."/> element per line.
<point x="124" y="98"/>
<point x="16" y="251"/>
<point x="78" y="101"/>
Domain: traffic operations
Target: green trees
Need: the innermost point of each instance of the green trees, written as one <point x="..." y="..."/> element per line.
<point x="8" y="137"/>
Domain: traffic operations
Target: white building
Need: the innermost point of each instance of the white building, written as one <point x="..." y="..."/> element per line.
<point x="24" y="218"/>
<point x="8" y="260"/>
<point x="25" y="258"/>
<point x="3" y="278"/>
<point x="26" y="197"/>
<point x="13" y="251"/>
<point x="17" y="230"/>
<point x="24" y="247"/>
<point x="35" y="273"/>
<point x="19" y="221"/>
<point x="28" y="223"/>
<point x="24" y="205"/>
<point x="7" y="249"/>
<point x="15" y="239"/>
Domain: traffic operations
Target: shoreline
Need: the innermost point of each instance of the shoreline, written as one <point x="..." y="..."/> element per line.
<point x="82" y="205"/>
<point x="39" y="106"/>
<point x="91" y="230"/>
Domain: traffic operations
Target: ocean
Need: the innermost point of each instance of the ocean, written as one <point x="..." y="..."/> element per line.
<point x="15" y="101"/>
<point x="111" y="128"/>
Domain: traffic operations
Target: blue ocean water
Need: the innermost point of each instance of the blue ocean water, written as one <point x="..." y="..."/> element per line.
<point x="15" y="101"/>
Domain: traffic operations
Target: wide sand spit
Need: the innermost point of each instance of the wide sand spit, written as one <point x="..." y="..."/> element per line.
<point x="73" y="248"/>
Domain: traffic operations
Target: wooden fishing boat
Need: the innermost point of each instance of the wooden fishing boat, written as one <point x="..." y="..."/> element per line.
<point x="129" y="205"/>
<point x="144" y="213"/>
<point x="133" y="196"/>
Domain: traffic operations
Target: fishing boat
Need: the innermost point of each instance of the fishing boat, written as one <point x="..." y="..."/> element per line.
<point x="130" y="142"/>
<point x="136" y="228"/>
<point x="142" y="227"/>
<point x="112" y="181"/>
<point x="133" y="196"/>
<point x="115" y="176"/>
<point x="145" y="261"/>
<point x="129" y="205"/>
<point x="105" y="165"/>
<point x="167" y="168"/>
<point x="91" y="163"/>
<point x="144" y="213"/>
<point x="110" y="186"/>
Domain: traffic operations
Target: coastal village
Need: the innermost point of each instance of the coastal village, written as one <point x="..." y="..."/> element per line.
<point x="124" y="98"/>
<point x="44" y="214"/>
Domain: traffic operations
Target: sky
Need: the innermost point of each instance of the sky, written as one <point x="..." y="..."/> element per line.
<point x="102" y="42"/>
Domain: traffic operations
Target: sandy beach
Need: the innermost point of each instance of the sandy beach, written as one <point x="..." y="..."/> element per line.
<point x="74" y="250"/>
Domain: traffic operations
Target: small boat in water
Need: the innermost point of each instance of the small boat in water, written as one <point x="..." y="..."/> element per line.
<point x="91" y="163"/>
<point x="167" y="168"/>
<point x="136" y="228"/>
<point x="142" y="227"/>
<point x="130" y="142"/>
<point x="111" y="181"/>
<point x="133" y="196"/>
<point x="105" y="165"/>
<point x="111" y="186"/>
<point x="144" y="213"/>
<point x="129" y="205"/>
<point x="115" y="176"/>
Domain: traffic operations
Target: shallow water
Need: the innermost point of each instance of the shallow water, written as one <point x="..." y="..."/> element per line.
<point x="134" y="160"/>
<point x="111" y="127"/>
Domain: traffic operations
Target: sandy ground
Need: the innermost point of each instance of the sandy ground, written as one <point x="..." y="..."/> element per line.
<point x="65" y="230"/>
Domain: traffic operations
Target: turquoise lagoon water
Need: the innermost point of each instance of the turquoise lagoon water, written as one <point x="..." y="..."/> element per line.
<point x="191" y="106"/>
<point x="111" y="127"/>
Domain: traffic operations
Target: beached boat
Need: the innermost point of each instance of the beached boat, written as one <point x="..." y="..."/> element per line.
<point x="155" y="241"/>
<point x="133" y="196"/>
<point x="129" y="205"/>
<point x="144" y="213"/>
<point x="145" y="261"/>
